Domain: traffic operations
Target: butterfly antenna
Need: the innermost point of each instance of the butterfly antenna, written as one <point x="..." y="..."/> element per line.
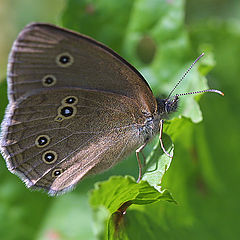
<point x="184" y="75"/>
<point x="202" y="91"/>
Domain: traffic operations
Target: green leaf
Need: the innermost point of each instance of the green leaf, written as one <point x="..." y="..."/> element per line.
<point x="118" y="190"/>
<point x="157" y="162"/>
<point x="117" y="194"/>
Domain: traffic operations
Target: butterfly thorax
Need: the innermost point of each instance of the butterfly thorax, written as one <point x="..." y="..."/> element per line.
<point x="152" y="123"/>
<point x="150" y="127"/>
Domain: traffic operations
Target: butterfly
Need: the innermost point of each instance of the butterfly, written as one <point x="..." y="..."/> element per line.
<point x="76" y="108"/>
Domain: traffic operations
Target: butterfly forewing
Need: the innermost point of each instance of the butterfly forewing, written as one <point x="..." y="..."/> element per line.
<point x="38" y="49"/>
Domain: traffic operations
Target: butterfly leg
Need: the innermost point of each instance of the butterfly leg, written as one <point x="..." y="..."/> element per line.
<point x="139" y="161"/>
<point x="160" y="139"/>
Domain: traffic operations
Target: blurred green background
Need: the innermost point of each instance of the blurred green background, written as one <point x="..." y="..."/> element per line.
<point x="161" y="38"/>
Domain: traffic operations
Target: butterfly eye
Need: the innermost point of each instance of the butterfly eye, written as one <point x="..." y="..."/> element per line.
<point x="49" y="157"/>
<point x="64" y="59"/>
<point x="49" y="80"/>
<point x="42" y="141"/>
<point x="57" y="172"/>
<point x="171" y="105"/>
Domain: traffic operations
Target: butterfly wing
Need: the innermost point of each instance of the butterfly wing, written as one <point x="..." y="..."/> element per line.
<point x="41" y="51"/>
<point x="52" y="143"/>
<point x="75" y="108"/>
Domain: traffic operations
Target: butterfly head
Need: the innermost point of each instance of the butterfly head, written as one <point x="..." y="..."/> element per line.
<point x="171" y="105"/>
<point x="167" y="106"/>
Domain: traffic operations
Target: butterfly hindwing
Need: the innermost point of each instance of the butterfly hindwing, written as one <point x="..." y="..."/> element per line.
<point x="63" y="132"/>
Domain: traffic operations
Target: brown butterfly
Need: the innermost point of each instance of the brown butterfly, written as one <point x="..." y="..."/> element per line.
<point x="75" y="108"/>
